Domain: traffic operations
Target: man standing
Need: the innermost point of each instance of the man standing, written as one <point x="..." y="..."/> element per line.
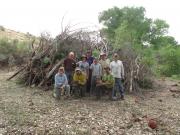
<point x="69" y="65"/>
<point x="61" y="83"/>
<point x="89" y="60"/>
<point x="117" y="70"/>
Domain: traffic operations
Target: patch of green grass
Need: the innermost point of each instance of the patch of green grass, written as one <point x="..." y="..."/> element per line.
<point x="176" y="77"/>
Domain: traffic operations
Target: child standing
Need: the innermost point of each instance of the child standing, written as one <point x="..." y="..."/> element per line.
<point x="96" y="73"/>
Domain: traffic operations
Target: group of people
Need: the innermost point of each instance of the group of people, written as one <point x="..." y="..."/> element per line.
<point x="95" y="76"/>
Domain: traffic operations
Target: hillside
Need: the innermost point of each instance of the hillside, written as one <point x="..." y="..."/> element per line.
<point x="12" y="34"/>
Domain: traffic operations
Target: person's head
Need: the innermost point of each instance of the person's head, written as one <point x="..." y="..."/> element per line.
<point x="78" y="71"/>
<point x="88" y="53"/>
<point x="103" y="56"/>
<point x="115" y="56"/>
<point x="61" y="70"/>
<point x="71" y="55"/>
<point x="95" y="61"/>
<point x="107" y="70"/>
<point x="84" y="58"/>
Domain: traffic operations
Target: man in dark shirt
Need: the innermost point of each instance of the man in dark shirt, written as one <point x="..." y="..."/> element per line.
<point x="89" y="57"/>
<point x="90" y="60"/>
<point x="69" y="66"/>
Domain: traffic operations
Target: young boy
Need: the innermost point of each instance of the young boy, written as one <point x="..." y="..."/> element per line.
<point x="96" y="73"/>
<point x="61" y="83"/>
<point x="79" y="82"/>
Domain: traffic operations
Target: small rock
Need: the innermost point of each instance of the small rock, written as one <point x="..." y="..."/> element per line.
<point x="152" y="123"/>
<point x="174" y="84"/>
<point x="160" y="100"/>
<point x="137" y="120"/>
<point x="2" y="125"/>
<point x="31" y="104"/>
<point x="129" y="126"/>
<point x="175" y="95"/>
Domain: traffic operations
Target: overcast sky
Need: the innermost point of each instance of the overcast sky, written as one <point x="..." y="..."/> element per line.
<point x="36" y="16"/>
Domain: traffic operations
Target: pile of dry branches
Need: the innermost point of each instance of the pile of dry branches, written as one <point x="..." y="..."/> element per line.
<point x="137" y="74"/>
<point x="48" y="56"/>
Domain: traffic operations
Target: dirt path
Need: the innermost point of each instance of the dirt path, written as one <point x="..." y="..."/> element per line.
<point x="32" y="111"/>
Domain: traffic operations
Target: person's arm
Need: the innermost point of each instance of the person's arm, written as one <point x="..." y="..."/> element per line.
<point x="122" y="70"/>
<point x="78" y="63"/>
<point x="64" y="64"/>
<point x="56" y="81"/>
<point x="75" y="78"/>
<point x="111" y="80"/>
<point x="100" y="70"/>
<point x="74" y="64"/>
<point x="87" y="71"/>
<point x="66" y="80"/>
<point x="103" y="78"/>
<point x="91" y="67"/>
<point x="110" y="66"/>
<point x="83" y="80"/>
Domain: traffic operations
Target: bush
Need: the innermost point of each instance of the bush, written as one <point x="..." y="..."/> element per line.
<point x="2" y="28"/>
<point x="169" y="60"/>
<point x="146" y="83"/>
<point x="9" y="47"/>
<point x="6" y="47"/>
<point x="176" y="77"/>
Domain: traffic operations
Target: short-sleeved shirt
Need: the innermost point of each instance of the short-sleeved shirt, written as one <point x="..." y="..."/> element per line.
<point x="84" y="66"/>
<point x="69" y="65"/>
<point x="108" y="78"/>
<point x="96" y="69"/>
<point x="104" y="63"/>
<point x="90" y="60"/>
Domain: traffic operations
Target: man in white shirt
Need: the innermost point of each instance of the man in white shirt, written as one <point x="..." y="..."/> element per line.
<point x="117" y="71"/>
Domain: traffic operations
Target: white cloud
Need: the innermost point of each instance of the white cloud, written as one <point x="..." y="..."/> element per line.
<point x="35" y="16"/>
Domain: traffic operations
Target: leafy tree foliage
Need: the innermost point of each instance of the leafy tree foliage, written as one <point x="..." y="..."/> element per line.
<point x="148" y="37"/>
<point x="169" y="60"/>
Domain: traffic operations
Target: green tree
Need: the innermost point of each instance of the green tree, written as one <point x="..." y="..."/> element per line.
<point x="148" y="38"/>
<point x="125" y="25"/>
<point x="169" y="60"/>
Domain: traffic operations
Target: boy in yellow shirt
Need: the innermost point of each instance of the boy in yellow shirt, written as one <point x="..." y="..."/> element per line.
<point x="79" y="82"/>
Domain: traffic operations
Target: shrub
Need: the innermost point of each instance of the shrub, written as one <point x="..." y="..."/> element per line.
<point x="2" y="28"/>
<point x="169" y="60"/>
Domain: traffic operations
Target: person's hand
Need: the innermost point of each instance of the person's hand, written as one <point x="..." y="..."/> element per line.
<point x="79" y="82"/>
<point x="122" y="80"/>
<point x="75" y="82"/>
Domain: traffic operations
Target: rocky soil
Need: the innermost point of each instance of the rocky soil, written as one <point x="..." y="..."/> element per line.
<point x="31" y="111"/>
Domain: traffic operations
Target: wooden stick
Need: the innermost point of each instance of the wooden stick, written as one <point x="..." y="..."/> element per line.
<point x="51" y="72"/>
<point x="16" y="73"/>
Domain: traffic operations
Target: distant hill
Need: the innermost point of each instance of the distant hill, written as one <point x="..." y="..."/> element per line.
<point x="11" y="34"/>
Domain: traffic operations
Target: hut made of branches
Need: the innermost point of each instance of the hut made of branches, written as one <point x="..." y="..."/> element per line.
<point x="45" y="58"/>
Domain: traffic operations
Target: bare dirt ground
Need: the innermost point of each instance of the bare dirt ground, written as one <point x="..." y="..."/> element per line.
<point x="31" y="111"/>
